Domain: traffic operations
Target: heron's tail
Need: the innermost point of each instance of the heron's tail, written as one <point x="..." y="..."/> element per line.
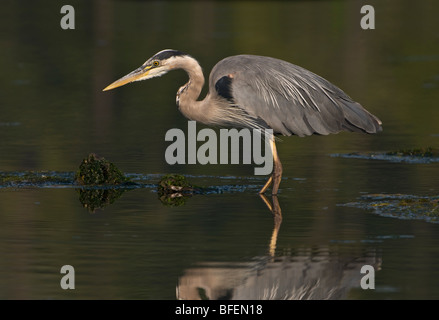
<point x="359" y="119"/>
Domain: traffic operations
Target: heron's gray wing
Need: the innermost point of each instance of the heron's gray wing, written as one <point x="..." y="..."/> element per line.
<point x="291" y="99"/>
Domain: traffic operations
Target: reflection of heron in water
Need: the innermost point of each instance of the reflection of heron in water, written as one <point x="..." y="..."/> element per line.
<point x="275" y="209"/>
<point x="310" y="273"/>
<point x="317" y="272"/>
<point x="250" y="91"/>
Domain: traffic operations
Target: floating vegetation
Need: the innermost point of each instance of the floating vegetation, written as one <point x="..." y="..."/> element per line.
<point x="174" y="183"/>
<point x="98" y="171"/>
<point x="400" y="206"/>
<point x="418" y="155"/>
<point x="174" y="190"/>
<point x="99" y="183"/>
<point x="35" y="178"/>
<point x="95" y="172"/>
<point x="421" y="152"/>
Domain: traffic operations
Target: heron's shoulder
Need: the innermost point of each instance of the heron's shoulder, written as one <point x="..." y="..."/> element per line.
<point x="250" y="66"/>
<point x="243" y="64"/>
<point x="243" y="60"/>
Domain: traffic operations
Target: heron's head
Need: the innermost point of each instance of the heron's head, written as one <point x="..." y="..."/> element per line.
<point x="156" y="66"/>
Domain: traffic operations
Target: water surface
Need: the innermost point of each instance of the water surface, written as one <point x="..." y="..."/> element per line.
<point x="228" y="244"/>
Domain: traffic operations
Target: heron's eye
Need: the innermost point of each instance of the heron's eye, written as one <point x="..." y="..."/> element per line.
<point x="155" y="63"/>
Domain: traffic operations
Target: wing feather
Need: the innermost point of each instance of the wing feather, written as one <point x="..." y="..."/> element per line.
<point x="291" y="99"/>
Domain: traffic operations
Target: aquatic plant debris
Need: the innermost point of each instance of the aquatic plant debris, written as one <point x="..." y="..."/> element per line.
<point x="413" y="156"/>
<point x="420" y="152"/>
<point x="175" y="183"/>
<point x="98" y="171"/>
<point x="174" y="190"/>
<point x="35" y="179"/>
<point x="400" y="206"/>
<point x="58" y="179"/>
<point x="100" y="183"/>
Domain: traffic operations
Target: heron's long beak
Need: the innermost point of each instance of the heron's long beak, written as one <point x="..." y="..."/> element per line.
<point x="138" y="74"/>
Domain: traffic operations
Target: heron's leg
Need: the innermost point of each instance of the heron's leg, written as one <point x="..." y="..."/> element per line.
<point x="276" y="176"/>
<point x="277" y="169"/>
<point x="270" y="180"/>
<point x="266" y="185"/>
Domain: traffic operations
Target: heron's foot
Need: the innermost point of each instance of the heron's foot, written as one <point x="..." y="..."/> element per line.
<point x="266" y="185"/>
<point x="274" y="179"/>
<point x="277" y="177"/>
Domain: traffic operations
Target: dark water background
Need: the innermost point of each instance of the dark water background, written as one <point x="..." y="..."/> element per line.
<point x="53" y="113"/>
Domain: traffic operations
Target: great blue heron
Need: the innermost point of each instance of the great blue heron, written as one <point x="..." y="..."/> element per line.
<point x="251" y="91"/>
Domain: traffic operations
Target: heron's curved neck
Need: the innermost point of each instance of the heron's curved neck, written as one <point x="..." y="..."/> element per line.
<point x="188" y="94"/>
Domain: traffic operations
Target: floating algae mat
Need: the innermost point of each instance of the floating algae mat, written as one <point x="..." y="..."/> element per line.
<point x="36" y="179"/>
<point x="174" y="189"/>
<point x="99" y="183"/>
<point x="93" y="171"/>
<point x="420" y="155"/>
<point x="400" y="206"/>
<point x="97" y="171"/>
